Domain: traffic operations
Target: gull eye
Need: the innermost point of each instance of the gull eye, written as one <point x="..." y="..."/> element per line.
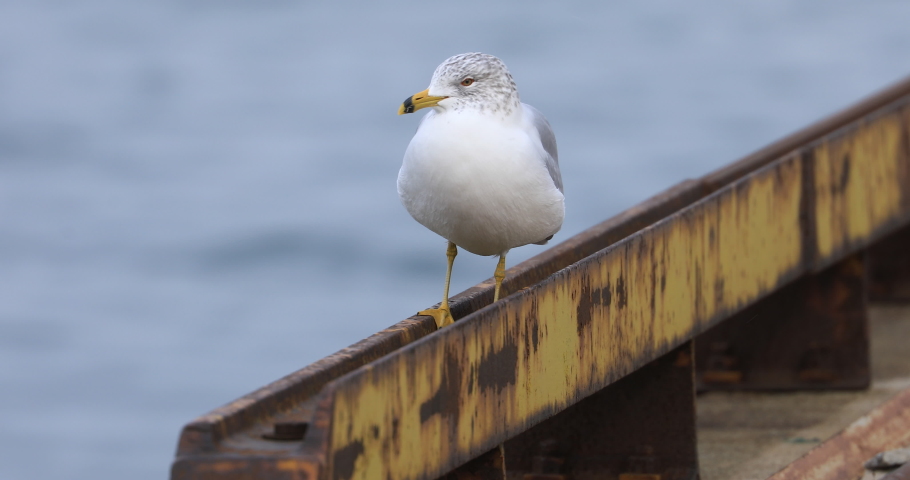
<point x="467" y="82"/>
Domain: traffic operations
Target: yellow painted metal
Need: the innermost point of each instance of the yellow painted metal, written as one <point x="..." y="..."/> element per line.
<point x="440" y="401"/>
<point x="861" y="182"/>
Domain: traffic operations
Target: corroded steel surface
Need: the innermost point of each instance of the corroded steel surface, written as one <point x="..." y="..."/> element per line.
<point x="621" y="296"/>
<point x="861" y="184"/>
<point x="842" y="457"/>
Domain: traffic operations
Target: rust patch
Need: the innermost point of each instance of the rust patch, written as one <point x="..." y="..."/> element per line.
<point x="445" y="400"/>
<point x="590" y="297"/>
<point x="655" y="268"/>
<point x="499" y="369"/>
<point x="622" y="297"/>
<point x="532" y="339"/>
<point x="699" y="299"/>
<point x="344" y="458"/>
<point x="807" y="220"/>
<point x="719" y="291"/>
<point x="844" y="178"/>
<point x="585" y="306"/>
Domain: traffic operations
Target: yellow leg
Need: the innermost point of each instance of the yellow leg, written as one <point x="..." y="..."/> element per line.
<point x="443" y="315"/>
<point x="499" y="275"/>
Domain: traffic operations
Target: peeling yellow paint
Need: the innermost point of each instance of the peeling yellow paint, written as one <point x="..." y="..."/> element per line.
<point x="859" y="181"/>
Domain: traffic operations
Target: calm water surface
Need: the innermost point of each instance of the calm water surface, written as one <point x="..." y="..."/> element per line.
<point x="198" y="196"/>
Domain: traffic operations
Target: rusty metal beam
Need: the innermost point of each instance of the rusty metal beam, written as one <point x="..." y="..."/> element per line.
<point x="842" y="457"/>
<point x="621" y="296"/>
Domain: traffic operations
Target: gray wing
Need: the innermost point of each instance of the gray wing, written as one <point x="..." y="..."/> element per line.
<point x="548" y="139"/>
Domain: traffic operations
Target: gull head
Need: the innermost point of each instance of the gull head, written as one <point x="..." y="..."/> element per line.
<point x="469" y="81"/>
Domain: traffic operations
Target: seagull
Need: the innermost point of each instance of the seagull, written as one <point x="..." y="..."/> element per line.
<point x="482" y="170"/>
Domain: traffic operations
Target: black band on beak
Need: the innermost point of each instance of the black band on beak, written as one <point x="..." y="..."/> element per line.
<point x="408" y="105"/>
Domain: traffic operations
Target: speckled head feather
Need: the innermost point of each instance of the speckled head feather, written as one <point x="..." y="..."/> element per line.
<point x="492" y="88"/>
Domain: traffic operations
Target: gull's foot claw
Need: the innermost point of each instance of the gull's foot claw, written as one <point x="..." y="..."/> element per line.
<point x="442" y="316"/>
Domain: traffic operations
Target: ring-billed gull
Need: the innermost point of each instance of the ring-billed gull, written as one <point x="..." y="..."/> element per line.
<point x="482" y="170"/>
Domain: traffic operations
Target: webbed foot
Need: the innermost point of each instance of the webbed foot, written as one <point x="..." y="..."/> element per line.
<point x="442" y="316"/>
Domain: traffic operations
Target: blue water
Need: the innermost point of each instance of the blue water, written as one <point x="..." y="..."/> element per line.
<point x="198" y="197"/>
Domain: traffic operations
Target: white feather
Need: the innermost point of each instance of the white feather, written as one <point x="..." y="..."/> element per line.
<point x="481" y="180"/>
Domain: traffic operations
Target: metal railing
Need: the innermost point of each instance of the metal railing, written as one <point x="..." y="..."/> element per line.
<point x="587" y="368"/>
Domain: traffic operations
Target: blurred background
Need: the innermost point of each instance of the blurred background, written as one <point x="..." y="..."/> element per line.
<point x="198" y="197"/>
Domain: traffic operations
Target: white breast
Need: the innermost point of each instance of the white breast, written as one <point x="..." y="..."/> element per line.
<point x="480" y="182"/>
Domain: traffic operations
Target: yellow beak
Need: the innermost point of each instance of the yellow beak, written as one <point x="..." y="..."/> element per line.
<point x="417" y="101"/>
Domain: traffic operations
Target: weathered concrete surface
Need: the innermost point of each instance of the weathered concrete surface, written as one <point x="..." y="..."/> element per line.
<point x="750" y="436"/>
